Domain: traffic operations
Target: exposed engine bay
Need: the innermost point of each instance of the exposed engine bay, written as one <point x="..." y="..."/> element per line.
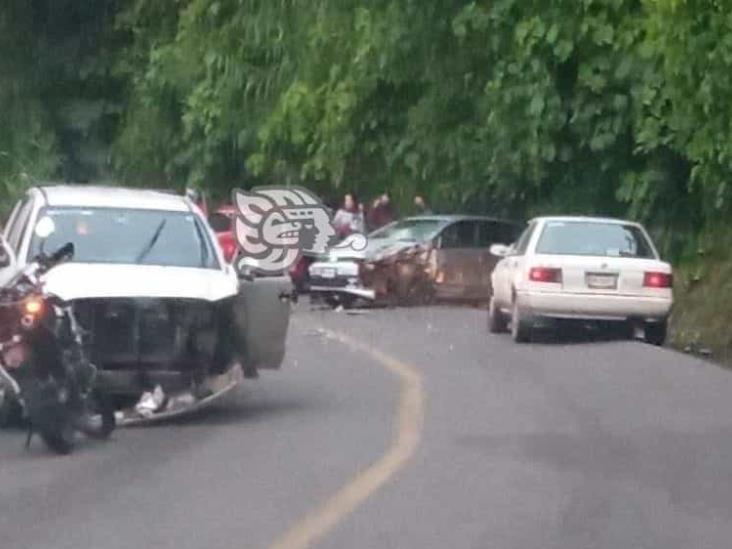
<point x="140" y="343"/>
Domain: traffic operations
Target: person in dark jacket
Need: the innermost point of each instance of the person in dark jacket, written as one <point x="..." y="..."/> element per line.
<point x="420" y="206"/>
<point x="382" y="213"/>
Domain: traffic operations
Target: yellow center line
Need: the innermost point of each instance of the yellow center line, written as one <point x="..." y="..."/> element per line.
<point x="407" y="434"/>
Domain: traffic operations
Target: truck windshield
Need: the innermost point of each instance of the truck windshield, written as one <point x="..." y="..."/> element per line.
<point x="129" y="236"/>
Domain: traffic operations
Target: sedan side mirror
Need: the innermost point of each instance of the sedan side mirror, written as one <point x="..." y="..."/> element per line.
<point x="500" y="250"/>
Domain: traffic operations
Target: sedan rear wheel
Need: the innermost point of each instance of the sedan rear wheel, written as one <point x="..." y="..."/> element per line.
<point x="497" y="322"/>
<point x="520" y="325"/>
<point x="655" y="332"/>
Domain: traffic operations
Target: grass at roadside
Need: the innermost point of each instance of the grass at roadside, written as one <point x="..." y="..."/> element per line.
<point x="702" y="316"/>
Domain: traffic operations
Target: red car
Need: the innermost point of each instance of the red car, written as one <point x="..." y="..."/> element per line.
<point x="222" y="222"/>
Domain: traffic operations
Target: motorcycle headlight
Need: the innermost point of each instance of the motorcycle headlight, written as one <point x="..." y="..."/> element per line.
<point x="33" y="306"/>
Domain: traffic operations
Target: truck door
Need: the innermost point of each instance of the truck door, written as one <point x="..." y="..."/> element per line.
<point x="262" y="316"/>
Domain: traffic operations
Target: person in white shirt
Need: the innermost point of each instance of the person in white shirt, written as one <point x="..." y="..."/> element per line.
<point x="349" y="217"/>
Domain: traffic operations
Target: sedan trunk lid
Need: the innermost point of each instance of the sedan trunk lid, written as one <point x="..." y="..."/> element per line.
<point x="622" y="276"/>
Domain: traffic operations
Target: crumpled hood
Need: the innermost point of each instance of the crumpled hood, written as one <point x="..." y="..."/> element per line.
<point x="96" y="280"/>
<point x="376" y="248"/>
<point x="386" y="247"/>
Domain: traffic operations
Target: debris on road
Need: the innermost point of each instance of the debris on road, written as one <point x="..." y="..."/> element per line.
<point x="150" y="402"/>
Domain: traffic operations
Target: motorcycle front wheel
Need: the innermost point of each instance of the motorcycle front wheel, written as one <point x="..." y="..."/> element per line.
<point x="50" y="417"/>
<point x="98" y="421"/>
<point x="60" y="439"/>
<point x="11" y="412"/>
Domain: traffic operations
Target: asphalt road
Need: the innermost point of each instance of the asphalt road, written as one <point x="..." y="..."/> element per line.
<point x="430" y="434"/>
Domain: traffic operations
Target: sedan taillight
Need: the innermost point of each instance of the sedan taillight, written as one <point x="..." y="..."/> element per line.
<point x="658" y="280"/>
<point x="545" y="274"/>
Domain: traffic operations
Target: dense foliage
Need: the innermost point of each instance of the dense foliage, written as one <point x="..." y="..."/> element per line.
<point x="59" y="101"/>
<point x="508" y="106"/>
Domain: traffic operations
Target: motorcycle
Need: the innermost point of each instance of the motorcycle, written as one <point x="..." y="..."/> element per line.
<point x="44" y="369"/>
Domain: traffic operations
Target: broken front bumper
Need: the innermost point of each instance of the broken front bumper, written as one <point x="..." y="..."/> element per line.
<point x="140" y="343"/>
<point x="364" y="293"/>
<point x="216" y="387"/>
<point x="341" y="277"/>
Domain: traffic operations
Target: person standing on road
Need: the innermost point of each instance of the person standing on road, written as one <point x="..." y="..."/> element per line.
<point x="370" y="222"/>
<point x="360" y="222"/>
<point x="348" y="219"/>
<point x="421" y="206"/>
<point x="382" y="213"/>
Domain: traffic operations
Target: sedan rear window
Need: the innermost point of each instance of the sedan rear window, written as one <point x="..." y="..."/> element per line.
<point x="594" y="239"/>
<point x="129" y="236"/>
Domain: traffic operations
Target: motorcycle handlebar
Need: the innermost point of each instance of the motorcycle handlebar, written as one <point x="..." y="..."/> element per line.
<point x="29" y="275"/>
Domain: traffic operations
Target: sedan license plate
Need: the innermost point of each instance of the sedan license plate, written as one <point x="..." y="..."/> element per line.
<point x="601" y="281"/>
<point x="328" y="273"/>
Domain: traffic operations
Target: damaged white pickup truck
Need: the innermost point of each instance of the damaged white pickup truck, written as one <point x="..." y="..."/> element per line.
<point x="170" y="325"/>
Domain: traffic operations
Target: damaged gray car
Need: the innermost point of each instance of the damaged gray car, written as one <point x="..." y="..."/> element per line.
<point x="170" y="325"/>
